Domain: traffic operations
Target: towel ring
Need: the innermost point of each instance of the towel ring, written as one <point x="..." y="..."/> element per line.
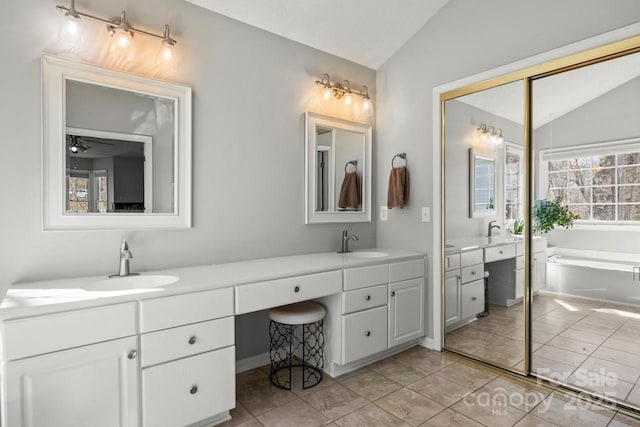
<point x="351" y="162"/>
<point x="402" y="156"/>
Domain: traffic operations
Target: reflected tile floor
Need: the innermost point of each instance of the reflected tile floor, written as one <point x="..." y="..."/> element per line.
<point x="591" y="344"/>
<point x="417" y="387"/>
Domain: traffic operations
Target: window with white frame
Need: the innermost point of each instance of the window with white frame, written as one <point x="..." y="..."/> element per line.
<point x="599" y="182"/>
<point x="513" y="182"/>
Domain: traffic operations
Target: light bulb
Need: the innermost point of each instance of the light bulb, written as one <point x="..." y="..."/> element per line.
<point x="367" y="107"/>
<point x="122" y="44"/>
<point x="348" y="99"/>
<point x="166" y="56"/>
<point x="70" y="36"/>
<point x="326" y="93"/>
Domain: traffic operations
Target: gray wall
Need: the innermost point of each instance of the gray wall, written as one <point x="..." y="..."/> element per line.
<point x="464" y="38"/>
<point x="250" y="90"/>
<point x="612" y="116"/>
<point x="462" y="120"/>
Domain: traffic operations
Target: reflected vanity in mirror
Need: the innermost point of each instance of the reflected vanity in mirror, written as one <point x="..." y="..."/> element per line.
<point x="338" y="170"/>
<point x="116" y="147"/>
<point x="482" y="184"/>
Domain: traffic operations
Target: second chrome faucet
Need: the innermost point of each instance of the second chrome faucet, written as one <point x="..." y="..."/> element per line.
<point x="344" y="248"/>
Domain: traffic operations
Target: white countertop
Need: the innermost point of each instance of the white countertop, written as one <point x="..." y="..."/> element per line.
<point x="478" y="242"/>
<point x="35" y="298"/>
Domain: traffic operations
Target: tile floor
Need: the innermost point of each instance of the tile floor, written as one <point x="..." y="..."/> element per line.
<point x="587" y="343"/>
<point x="417" y="387"/>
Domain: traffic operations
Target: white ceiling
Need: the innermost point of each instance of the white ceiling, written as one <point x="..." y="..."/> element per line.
<point x="557" y="95"/>
<point x="367" y="32"/>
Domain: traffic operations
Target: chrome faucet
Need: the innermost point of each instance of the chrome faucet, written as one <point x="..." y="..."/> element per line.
<point x="345" y="241"/>
<point x="490" y="228"/>
<point x="125" y="256"/>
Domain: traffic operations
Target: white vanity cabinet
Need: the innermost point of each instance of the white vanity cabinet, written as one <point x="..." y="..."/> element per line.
<point x="381" y="307"/>
<point x="74" y="368"/>
<point x="539" y="265"/>
<point x="188" y="358"/>
<point x="464" y="287"/>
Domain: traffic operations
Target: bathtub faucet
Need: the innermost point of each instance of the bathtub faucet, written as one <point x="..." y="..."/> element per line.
<point x="492" y="225"/>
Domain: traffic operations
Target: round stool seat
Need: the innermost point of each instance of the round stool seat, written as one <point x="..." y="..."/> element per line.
<point x="298" y="314"/>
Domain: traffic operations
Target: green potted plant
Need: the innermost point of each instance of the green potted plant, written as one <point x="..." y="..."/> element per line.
<point x="549" y="214"/>
<point x="518" y="226"/>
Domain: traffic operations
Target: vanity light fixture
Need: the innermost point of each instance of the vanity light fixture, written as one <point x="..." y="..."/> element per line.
<point x="121" y="32"/>
<point x="343" y="91"/>
<point x="491" y="134"/>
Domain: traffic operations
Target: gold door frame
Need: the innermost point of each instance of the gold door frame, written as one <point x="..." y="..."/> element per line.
<point x="527" y="75"/>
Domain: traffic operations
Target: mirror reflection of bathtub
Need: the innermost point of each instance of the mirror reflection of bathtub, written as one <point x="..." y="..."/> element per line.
<point x="606" y="276"/>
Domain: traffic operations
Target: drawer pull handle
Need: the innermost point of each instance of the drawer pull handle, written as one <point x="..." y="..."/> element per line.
<point x="473" y="298"/>
<point x="192" y="340"/>
<point x="501" y="252"/>
<point x="367" y="298"/>
<point x="367" y="334"/>
<point x="393" y="293"/>
<point x="473" y="273"/>
<point x="194" y="389"/>
<point x="296" y="289"/>
<point x="132" y="354"/>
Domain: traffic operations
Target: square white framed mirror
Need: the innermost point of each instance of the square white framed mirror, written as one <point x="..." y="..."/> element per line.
<point x="482" y="183"/>
<point x="116" y="149"/>
<point x="337" y="170"/>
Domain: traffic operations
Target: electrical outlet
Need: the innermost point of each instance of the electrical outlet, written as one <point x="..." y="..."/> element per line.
<point x="426" y="214"/>
<point x="384" y="213"/>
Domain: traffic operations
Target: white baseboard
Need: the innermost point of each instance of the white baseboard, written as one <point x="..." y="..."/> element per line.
<point x="252" y="362"/>
<point x="428" y="343"/>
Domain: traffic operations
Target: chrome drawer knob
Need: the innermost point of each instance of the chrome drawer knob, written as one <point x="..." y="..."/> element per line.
<point x="473" y="273"/>
<point x="501" y="252"/>
<point x="296" y="289"/>
<point x="194" y="389"/>
<point x="192" y="340"/>
<point x="367" y="334"/>
<point x="132" y="354"/>
<point x="473" y="298"/>
<point x="367" y="298"/>
<point x="393" y="293"/>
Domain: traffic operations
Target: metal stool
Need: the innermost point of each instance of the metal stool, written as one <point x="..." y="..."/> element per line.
<point x="287" y="344"/>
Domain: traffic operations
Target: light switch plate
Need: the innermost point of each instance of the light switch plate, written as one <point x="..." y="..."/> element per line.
<point x="426" y="214"/>
<point x="384" y="213"/>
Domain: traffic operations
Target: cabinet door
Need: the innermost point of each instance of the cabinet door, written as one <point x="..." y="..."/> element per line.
<point x="471" y="299"/>
<point x="452" y="298"/>
<point x="406" y="311"/>
<point x="95" y="385"/>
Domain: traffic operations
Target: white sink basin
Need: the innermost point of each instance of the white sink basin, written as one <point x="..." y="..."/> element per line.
<point x="132" y="282"/>
<point x="368" y="254"/>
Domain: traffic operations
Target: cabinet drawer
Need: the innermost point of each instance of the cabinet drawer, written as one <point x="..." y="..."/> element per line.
<point x="188" y="390"/>
<point x="178" y="310"/>
<point x="364" y="333"/>
<point x="356" y="278"/>
<point x="472" y="299"/>
<point x="174" y="343"/>
<point x="498" y="253"/>
<point x="471" y="258"/>
<point x="519" y="262"/>
<point x="475" y="272"/>
<point x="452" y="262"/>
<point x="365" y="298"/>
<point x="401" y="271"/>
<point x="43" y="334"/>
<point x="273" y="293"/>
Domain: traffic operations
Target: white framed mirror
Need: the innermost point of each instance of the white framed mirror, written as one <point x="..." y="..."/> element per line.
<point x="337" y="170"/>
<point x="116" y="149"/>
<point x="482" y="183"/>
